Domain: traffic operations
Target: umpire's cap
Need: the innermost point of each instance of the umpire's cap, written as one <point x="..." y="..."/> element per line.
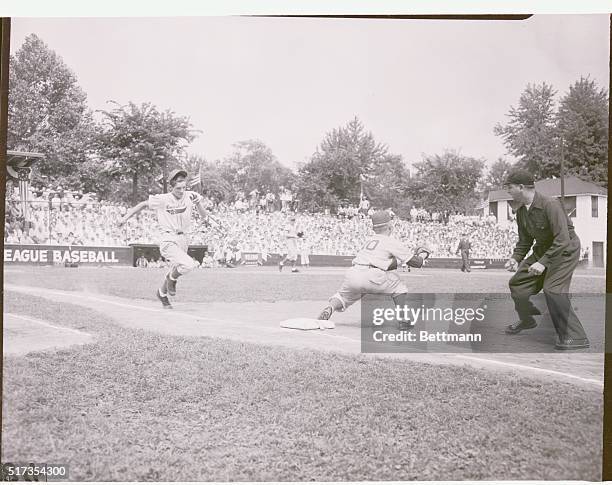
<point x="518" y="176"/>
<point x="381" y="218"/>
<point x="176" y="173"/>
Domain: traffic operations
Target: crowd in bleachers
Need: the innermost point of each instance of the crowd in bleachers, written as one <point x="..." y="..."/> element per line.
<point x="249" y="226"/>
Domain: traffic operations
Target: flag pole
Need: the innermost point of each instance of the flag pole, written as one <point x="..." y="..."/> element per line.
<point x="360" y="188"/>
<point x="562" y="177"/>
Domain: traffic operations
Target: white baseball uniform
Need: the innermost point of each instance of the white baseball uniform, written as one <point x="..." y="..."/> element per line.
<point x="292" y="249"/>
<point x="370" y="272"/>
<point x="174" y="217"/>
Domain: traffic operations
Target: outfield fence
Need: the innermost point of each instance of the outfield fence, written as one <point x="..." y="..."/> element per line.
<point x="73" y="255"/>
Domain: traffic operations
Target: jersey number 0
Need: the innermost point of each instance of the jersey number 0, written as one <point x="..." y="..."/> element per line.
<point x="371" y="245"/>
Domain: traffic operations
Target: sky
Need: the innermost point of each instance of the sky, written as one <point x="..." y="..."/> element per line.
<point x="420" y="87"/>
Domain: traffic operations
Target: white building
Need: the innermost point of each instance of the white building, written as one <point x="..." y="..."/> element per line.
<point x="585" y="202"/>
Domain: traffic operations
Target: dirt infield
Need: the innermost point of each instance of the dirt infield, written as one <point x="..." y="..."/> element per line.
<point x="22" y="334"/>
<point x="258" y="322"/>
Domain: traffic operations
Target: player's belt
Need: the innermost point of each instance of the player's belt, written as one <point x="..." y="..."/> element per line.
<point x="179" y="233"/>
<point x="368" y="266"/>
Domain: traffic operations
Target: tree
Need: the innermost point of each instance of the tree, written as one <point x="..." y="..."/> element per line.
<point x="252" y="165"/>
<point x="346" y="153"/>
<point x="496" y="176"/>
<point x="313" y="191"/>
<point x="48" y="113"/>
<point x="139" y="142"/>
<point x="531" y="133"/>
<point x="212" y="183"/>
<point x="583" y="124"/>
<point x="447" y="182"/>
<point x="387" y="185"/>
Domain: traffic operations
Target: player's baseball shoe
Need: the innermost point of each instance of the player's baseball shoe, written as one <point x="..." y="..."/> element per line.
<point x="164" y="300"/>
<point x="405" y="325"/>
<point x="519" y="326"/>
<point x="326" y="313"/>
<point x="171" y="285"/>
<point x="295" y="270"/>
<point x="572" y="344"/>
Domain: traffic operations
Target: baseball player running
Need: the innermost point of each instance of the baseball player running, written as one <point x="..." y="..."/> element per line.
<point x="372" y="269"/>
<point x="292" y="249"/>
<point x="174" y="217"/>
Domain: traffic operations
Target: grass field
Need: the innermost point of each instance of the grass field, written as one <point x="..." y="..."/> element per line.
<point x="262" y="284"/>
<point x="140" y="405"/>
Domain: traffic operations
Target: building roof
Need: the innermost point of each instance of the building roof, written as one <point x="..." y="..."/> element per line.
<point x="552" y="188"/>
<point x="22" y="159"/>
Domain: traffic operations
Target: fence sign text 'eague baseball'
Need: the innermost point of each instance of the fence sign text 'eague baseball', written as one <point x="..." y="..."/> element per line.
<point x="66" y="255"/>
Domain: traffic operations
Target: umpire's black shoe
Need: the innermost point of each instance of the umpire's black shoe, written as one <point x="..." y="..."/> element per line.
<point x="572" y="344"/>
<point x="164" y="300"/>
<point x="519" y="326"/>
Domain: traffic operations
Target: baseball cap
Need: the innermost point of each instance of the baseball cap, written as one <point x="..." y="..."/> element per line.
<point x="176" y="173"/>
<point x="380" y="218"/>
<point x="519" y="176"/>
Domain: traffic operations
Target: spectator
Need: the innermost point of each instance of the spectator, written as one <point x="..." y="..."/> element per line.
<point x="84" y="222"/>
<point x="270" y="198"/>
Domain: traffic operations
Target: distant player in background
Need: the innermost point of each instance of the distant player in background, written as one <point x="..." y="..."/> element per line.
<point x="464" y="247"/>
<point x="305" y="250"/>
<point x="291" y="235"/>
<point x="372" y="269"/>
<point x="174" y="218"/>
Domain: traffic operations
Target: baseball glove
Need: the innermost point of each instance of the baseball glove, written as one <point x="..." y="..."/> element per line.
<point x="300" y="234"/>
<point x="420" y="255"/>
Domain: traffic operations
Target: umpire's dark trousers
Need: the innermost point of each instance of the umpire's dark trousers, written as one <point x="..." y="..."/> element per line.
<point x="555" y="281"/>
<point x="465" y="261"/>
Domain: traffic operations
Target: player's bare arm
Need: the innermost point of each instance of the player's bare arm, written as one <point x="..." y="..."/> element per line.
<point x="203" y="210"/>
<point x="133" y="211"/>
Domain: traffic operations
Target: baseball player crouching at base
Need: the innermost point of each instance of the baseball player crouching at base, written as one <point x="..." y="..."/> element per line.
<point x="174" y="217"/>
<point x="372" y="269"/>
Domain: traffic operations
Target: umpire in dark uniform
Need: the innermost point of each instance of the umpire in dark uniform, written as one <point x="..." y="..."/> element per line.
<point x="464" y="247"/>
<point x="549" y="267"/>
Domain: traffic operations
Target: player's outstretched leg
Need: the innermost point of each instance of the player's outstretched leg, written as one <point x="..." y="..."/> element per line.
<point x="182" y="264"/>
<point x="401" y="300"/>
<point x="171" y="279"/>
<point x="163" y="297"/>
<point x="334" y="305"/>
